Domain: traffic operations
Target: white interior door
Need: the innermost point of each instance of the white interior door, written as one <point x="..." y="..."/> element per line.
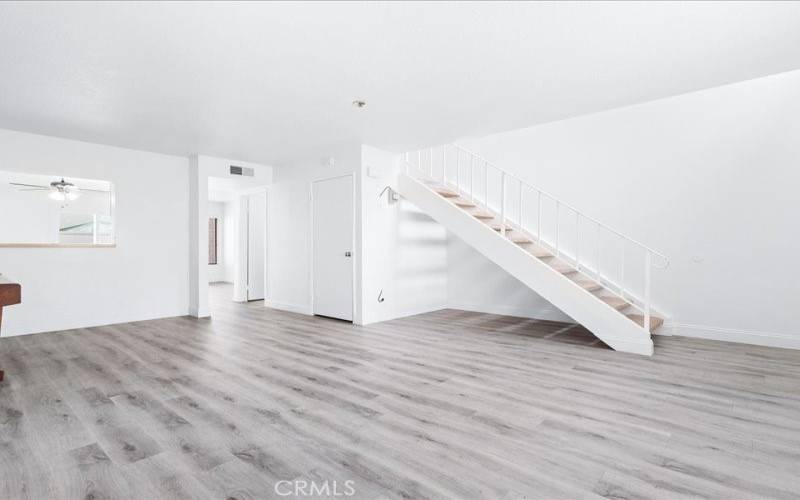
<point x="256" y="245"/>
<point x="333" y="247"/>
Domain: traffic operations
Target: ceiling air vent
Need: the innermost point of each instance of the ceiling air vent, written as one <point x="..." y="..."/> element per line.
<point x="247" y="172"/>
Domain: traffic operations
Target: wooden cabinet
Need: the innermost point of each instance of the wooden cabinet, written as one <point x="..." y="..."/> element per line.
<point x="10" y="294"/>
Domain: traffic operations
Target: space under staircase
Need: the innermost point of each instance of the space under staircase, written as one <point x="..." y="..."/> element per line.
<point x="596" y="275"/>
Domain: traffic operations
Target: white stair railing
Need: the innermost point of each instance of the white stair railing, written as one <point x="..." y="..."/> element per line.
<point x="447" y="165"/>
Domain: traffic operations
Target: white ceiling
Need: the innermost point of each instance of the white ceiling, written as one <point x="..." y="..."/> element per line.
<point x="263" y="81"/>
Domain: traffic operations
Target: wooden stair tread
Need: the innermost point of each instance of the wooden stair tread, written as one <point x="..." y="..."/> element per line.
<point x="562" y="267"/>
<point x="497" y="226"/>
<point x="588" y="285"/>
<point x="519" y="239"/>
<point x="443" y="191"/>
<point x="617" y="303"/>
<point x="655" y="322"/>
<point x="481" y="214"/>
<point x="538" y="251"/>
<point x="463" y="202"/>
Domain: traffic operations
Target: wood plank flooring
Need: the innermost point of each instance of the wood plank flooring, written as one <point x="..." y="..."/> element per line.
<point x="443" y="405"/>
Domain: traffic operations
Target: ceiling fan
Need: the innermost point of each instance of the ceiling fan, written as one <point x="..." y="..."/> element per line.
<point x="59" y="190"/>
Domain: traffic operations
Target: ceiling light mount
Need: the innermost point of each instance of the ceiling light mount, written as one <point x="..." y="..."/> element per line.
<point x="359" y="103"/>
<point x="63" y="191"/>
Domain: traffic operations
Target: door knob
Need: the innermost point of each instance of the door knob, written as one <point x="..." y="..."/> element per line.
<point x="347" y="254"/>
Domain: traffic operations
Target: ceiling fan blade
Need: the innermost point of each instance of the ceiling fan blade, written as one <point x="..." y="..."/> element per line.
<point x="29" y="185"/>
<point x="36" y="187"/>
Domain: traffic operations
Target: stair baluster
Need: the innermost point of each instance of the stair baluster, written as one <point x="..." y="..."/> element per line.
<point x="647" y="266"/>
<point x="471" y="178"/>
<point x="458" y="180"/>
<point x="503" y="203"/>
<point x="558" y="242"/>
<point x="539" y="217"/>
<point x="622" y="272"/>
<point x="486" y="185"/>
<point x="577" y="240"/>
<point x="444" y="162"/>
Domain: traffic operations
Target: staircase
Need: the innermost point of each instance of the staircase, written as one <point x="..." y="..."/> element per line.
<point x="589" y="275"/>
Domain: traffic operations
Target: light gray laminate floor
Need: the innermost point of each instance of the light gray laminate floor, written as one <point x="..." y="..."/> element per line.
<point x="450" y="404"/>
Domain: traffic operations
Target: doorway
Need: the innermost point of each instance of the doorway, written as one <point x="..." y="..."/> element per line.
<point x="332" y="240"/>
<point x="237" y="234"/>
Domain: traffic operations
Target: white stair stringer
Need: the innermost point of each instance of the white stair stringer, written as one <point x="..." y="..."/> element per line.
<point x="603" y="320"/>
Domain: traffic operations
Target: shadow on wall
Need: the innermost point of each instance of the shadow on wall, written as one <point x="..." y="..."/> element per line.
<point x="475" y="283"/>
<point x="420" y="255"/>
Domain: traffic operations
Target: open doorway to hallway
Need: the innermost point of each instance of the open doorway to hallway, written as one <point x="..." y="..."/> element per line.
<point x="237" y="240"/>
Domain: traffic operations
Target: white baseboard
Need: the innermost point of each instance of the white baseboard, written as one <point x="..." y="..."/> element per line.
<point x="761" y="338"/>
<point x="547" y="315"/>
<point x="768" y="339"/>
<point x="419" y="310"/>
<point x="197" y="313"/>
<point x="94" y="324"/>
<point x="288" y="306"/>
<point x="754" y="337"/>
<point x="406" y="313"/>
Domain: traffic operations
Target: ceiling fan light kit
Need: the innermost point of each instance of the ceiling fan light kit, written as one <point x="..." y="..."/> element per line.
<point x="63" y="195"/>
<point x="63" y="191"/>
<point x="59" y="190"/>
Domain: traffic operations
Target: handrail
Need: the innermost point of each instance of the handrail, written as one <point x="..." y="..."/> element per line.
<point x="588" y="217"/>
<point x="617" y="282"/>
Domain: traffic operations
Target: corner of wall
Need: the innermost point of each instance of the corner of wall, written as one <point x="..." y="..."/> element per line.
<point x="404" y="252"/>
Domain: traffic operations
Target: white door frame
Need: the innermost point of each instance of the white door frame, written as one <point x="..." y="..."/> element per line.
<point x="313" y="243"/>
<point x="242" y="244"/>
<point x="249" y="193"/>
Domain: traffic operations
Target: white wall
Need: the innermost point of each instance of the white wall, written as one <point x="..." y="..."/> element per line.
<point x="405" y="251"/>
<point x="289" y="224"/>
<point x="217" y="272"/>
<point x="708" y="178"/>
<point x="397" y="249"/>
<point x="144" y="276"/>
<point x="27" y="216"/>
<point x="474" y="283"/>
